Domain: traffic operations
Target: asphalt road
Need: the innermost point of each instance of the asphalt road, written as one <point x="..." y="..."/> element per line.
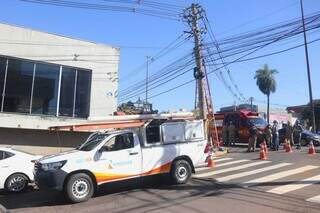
<point x="239" y="183"/>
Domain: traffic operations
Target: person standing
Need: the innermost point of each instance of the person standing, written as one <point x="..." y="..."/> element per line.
<point x="289" y="133"/>
<point x="253" y="131"/>
<point x="225" y="137"/>
<point x="232" y="133"/>
<point x="275" y="135"/>
<point x="268" y="135"/>
<point x="297" y="129"/>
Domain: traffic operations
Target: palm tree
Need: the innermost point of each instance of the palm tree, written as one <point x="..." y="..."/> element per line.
<point x="266" y="83"/>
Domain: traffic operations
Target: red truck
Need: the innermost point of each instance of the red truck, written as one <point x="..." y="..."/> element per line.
<point x="241" y="119"/>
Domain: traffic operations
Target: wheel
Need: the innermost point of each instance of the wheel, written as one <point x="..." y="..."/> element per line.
<point x="16" y="183"/>
<point x="180" y="172"/>
<point x="79" y="188"/>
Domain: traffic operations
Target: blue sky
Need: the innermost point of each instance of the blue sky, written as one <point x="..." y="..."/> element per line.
<point x="228" y="17"/>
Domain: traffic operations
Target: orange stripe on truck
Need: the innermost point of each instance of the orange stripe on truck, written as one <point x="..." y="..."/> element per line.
<point x="103" y="177"/>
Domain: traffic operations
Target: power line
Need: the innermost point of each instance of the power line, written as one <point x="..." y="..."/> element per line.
<point x="161" y="13"/>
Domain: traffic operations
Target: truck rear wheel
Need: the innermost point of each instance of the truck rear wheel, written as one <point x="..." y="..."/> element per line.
<point x="180" y="171"/>
<point x="79" y="188"/>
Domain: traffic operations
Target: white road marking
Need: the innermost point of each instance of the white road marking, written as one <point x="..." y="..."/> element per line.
<point x="232" y="162"/>
<point x="247" y="173"/>
<point x="280" y="175"/>
<point x="207" y="174"/>
<point x="222" y="159"/>
<point x="315" y="199"/>
<point x="205" y="166"/>
<point x="295" y="186"/>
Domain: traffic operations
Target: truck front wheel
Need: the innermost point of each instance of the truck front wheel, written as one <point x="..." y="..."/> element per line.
<point x="180" y="171"/>
<point x="79" y="188"/>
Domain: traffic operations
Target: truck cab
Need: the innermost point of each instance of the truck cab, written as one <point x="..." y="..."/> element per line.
<point x="160" y="147"/>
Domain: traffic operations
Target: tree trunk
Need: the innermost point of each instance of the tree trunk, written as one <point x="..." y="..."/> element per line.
<point x="268" y="105"/>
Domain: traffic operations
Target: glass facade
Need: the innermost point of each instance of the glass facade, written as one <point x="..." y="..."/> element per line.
<point x="44" y="89"/>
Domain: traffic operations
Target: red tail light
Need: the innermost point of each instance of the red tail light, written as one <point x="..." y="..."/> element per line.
<point x="207" y="149"/>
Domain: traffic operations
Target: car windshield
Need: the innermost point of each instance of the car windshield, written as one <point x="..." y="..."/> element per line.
<point x="258" y="122"/>
<point x="93" y="141"/>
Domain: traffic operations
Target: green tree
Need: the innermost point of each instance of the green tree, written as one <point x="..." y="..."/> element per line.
<point x="266" y="83"/>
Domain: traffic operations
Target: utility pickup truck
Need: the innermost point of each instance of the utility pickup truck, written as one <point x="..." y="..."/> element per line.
<point x="161" y="146"/>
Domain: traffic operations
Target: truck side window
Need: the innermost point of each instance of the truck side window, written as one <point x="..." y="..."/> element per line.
<point x="119" y="142"/>
<point x="1" y="155"/>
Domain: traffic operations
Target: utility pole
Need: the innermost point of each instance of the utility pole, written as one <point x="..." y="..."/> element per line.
<point x="192" y="17"/>
<point x="147" y="79"/>
<point x="251" y="104"/>
<point x="308" y="69"/>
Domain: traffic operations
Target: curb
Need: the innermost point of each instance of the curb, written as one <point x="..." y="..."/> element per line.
<point x="2" y="209"/>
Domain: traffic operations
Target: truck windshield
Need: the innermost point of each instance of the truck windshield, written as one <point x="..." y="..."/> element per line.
<point x="92" y="142"/>
<point x="258" y="122"/>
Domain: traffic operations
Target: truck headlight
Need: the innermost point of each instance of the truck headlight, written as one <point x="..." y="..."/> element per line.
<point x="53" y="166"/>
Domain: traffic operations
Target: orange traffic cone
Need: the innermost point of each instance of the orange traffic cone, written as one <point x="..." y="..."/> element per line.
<point x="312" y="150"/>
<point x="263" y="155"/>
<point x="289" y="148"/>
<point x="211" y="162"/>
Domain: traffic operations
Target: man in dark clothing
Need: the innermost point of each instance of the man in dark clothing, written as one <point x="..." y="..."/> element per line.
<point x="253" y="133"/>
<point x="275" y="135"/>
<point x="297" y="131"/>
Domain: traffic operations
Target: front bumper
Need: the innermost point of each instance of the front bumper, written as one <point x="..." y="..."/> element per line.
<point x="50" y="179"/>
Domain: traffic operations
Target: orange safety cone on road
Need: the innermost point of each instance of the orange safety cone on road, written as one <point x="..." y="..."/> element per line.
<point x="263" y="155"/>
<point x="211" y="162"/>
<point x="312" y="150"/>
<point x="289" y="148"/>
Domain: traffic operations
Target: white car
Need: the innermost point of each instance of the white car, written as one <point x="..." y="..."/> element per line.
<point x="16" y="169"/>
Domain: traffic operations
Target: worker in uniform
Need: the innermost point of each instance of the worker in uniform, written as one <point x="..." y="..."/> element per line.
<point x="275" y="135"/>
<point x="289" y="133"/>
<point x="297" y="132"/>
<point x="225" y="137"/>
<point x="232" y="133"/>
<point x="253" y="133"/>
<point x="268" y="135"/>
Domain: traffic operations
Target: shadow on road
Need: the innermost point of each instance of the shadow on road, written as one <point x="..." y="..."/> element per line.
<point x="42" y="198"/>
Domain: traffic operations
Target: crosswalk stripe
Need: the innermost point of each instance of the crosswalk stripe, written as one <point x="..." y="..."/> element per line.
<point x="207" y="174"/>
<point x="247" y="173"/>
<point x="299" y="185"/>
<point x="222" y="159"/>
<point x="199" y="169"/>
<point x="232" y="162"/>
<point x="280" y="175"/>
<point x="315" y="199"/>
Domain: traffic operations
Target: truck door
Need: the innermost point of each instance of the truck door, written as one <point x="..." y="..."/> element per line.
<point x="119" y="158"/>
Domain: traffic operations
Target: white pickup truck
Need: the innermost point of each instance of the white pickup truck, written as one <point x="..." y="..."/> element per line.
<point x="161" y="146"/>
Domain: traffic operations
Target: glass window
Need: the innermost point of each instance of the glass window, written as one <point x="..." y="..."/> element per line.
<point x="3" y="62"/>
<point x="45" y="92"/>
<point x="119" y="142"/>
<point x="4" y="155"/>
<point x="18" y="86"/>
<point x="83" y="94"/>
<point x="93" y="142"/>
<point x="67" y="92"/>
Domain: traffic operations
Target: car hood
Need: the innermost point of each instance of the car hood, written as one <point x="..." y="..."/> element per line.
<point x="311" y="134"/>
<point x="67" y="155"/>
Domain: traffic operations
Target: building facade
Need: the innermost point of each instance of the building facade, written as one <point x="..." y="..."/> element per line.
<point x="50" y="80"/>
